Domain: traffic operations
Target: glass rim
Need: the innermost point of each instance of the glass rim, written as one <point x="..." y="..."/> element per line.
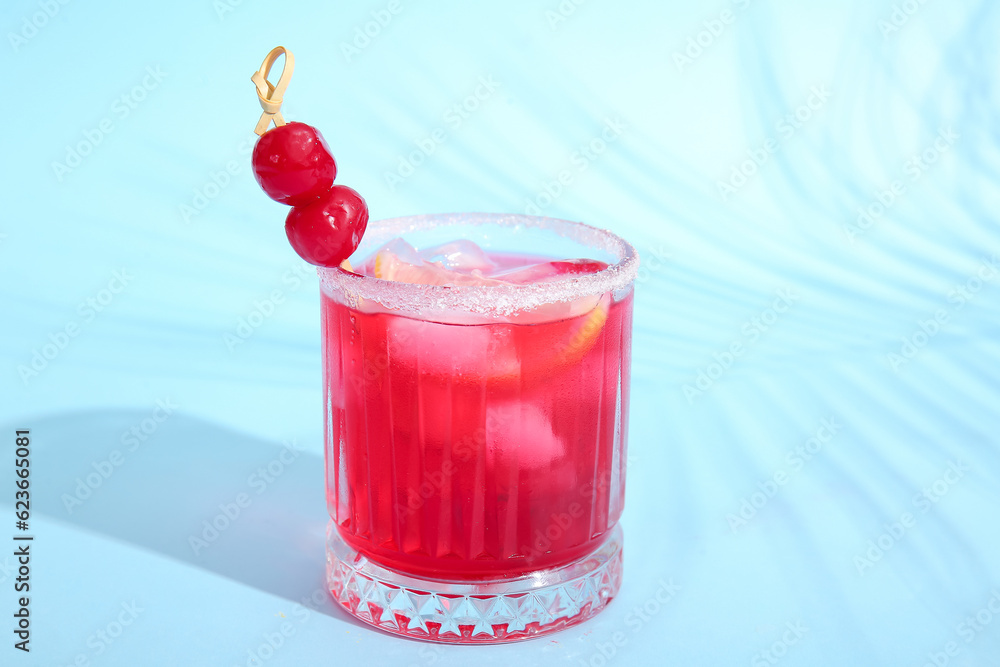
<point x="488" y="299"/>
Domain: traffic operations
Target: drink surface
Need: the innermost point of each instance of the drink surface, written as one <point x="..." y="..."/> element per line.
<point x="465" y="263"/>
<point x="476" y="450"/>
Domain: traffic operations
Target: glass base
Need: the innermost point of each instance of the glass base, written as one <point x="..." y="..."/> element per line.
<point x="484" y="611"/>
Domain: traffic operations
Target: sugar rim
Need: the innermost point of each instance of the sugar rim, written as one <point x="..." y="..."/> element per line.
<point x="487" y="299"/>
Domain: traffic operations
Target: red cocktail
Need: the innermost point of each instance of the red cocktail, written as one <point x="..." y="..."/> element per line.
<point x="476" y="418"/>
<point x="476" y="377"/>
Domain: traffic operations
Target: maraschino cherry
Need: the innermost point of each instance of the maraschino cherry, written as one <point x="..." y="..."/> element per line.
<point x="294" y="166"/>
<point x="327" y="231"/>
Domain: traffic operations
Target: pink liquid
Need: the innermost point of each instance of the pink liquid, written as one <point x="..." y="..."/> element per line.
<point x="475" y="451"/>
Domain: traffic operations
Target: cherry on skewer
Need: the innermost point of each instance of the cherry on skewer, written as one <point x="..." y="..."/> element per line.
<point x="327" y="231"/>
<point x="293" y="164"/>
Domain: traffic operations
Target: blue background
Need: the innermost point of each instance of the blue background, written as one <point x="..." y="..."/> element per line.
<point x="703" y="90"/>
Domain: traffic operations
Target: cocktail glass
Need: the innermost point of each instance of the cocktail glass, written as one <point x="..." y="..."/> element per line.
<point x="476" y="435"/>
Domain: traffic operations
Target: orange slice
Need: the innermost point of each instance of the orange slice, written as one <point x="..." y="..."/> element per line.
<point x="585" y="334"/>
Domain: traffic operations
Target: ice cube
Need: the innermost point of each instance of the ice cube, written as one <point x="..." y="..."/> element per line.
<point x="522" y="430"/>
<point x="400" y="262"/>
<point x="461" y="255"/>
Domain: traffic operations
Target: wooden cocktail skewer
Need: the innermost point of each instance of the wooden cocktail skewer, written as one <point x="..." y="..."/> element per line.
<point x="270" y="95"/>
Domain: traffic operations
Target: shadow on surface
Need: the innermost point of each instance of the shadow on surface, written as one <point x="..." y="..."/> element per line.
<point x="188" y="472"/>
